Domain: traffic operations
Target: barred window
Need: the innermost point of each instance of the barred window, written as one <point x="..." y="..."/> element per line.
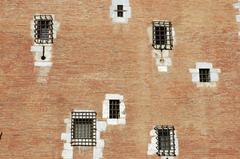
<point x="114" y="109"/>
<point x="83" y="129"/>
<point x="43" y="29"/>
<point x="165" y="140"/>
<point x="162" y="35"/>
<point x="204" y="75"/>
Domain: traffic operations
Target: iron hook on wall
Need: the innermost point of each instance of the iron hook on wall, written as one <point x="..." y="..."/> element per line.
<point x="43" y="56"/>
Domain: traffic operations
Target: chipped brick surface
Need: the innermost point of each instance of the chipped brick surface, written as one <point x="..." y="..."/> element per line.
<point x="92" y="57"/>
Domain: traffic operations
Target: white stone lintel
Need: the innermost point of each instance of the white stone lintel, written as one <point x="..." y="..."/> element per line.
<point x="43" y="64"/>
<point x="114" y="96"/>
<point x="203" y="65"/>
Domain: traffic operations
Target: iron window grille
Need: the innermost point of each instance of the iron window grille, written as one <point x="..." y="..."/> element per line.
<point x="43" y="29"/>
<point x="120" y="11"/>
<point x="162" y="35"/>
<point x="114" y="109"/>
<point x="165" y="140"/>
<point x="204" y="75"/>
<point x="83" y="129"/>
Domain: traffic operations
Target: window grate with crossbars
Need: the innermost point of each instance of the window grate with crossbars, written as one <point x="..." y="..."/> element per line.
<point x="165" y="140"/>
<point x="204" y="75"/>
<point x="114" y="109"/>
<point x="43" y="29"/>
<point x="162" y="35"/>
<point x="83" y="128"/>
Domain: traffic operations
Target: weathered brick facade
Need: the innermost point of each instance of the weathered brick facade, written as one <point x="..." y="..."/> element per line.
<point x="92" y="57"/>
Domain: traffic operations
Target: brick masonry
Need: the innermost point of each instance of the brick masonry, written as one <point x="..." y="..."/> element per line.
<point x="92" y="57"/>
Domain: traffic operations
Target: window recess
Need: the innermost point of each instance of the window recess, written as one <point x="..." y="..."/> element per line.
<point x="114" y="109"/>
<point x="83" y="129"/>
<point x="165" y="140"/>
<point x="204" y="74"/>
<point x="162" y="35"/>
<point x="43" y="29"/>
<point x="120" y="10"/>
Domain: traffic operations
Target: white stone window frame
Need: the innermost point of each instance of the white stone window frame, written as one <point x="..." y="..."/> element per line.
<point x="105" y="113"/>
<point x="126" y="14"/>
<point x="152" y="147"/>
<point x="214" y="74"/>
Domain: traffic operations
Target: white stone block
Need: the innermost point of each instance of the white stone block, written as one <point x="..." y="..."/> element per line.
<point x="101" y="125"/>
<point x="154" y="140"/>
<point x="98" y="135"/>
<point x="67" y="153"/>
<point x="238" y="18"/>
<point x="105" y="111"/>
<point x="122" y="107"/>
<point x="162" y="68"/>
<point x="193" y="70"/>
<point x="97" y="153"/>
<point x="36" y="49"/>
<point x="151" y="149"/>
<point x="122" y="121"/>
<point x="152" y="133"/>
<point x="236" y="5"/>
<point x="67" y="121"/>
<point x="112" y="121"/>
<point x="214" y="76"/>
<point x="100" y="143"/>
<point x="113" y="96"/>
<point x="195" y="77"/>
<point x="67" y="146"/>
<point x="43" y="64"/>
<point x="66" y="137"/>
<point x="203" y="65"/>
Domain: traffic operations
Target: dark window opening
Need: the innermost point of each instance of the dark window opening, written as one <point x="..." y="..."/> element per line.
<point x="120" y="11"/>
<point x="162" y="35"/>
<point x="83" y="129"/>
<point x="43" y="25"/>
<point x="165" y="140"/>
<point x="114" y="109"/>
<point x="204" y="75"/>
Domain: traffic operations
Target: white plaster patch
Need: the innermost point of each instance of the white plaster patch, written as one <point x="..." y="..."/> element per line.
<point x="236" y="5"/>
<point x="105" y="111"/>
<point x="98" y="149"/>
<point x="126" y="13"/>
<point x="42" y="74"/>
<point x="238" y="18"/>
<point x="37" y="49"/>
<point x="67" y="152"/>
<point x="214" y="74"/>
<point x="152" y="147"/>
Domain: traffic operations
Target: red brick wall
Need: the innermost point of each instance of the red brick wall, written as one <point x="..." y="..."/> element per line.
<point x="92" y="56"/>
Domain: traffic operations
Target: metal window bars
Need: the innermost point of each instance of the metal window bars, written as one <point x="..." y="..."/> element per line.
<point x="204" y="74"/>
<point x="114" y="109"/>
<point x="162" y="35"/>
<point x="43" y="29"/>
<point x="165" y="140"/>
<point x="83" y="128"/>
